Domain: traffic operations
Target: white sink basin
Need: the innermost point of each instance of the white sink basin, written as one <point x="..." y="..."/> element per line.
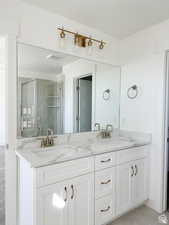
<point x="110" y="145"/>
<point x="63" y="152"/>
<point x="58" y="152"/>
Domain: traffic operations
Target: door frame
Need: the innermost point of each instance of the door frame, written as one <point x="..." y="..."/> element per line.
<point x="75" y="100"/>
<point x="11" y="166"/>
<point x="165" y="131"/>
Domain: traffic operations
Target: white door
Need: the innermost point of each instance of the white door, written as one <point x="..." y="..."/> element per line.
<point x="82" y="200"/>
<point x="52" y="205"/>
<point x="140" y="182"/>
<point x="124" y="181"/>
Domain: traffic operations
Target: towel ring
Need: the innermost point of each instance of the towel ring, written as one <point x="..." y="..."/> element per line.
<point x="106" y="94"/>
<point x="132" y="92"/>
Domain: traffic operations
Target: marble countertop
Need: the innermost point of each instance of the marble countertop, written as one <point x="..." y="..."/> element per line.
<point x="78" y="146"/>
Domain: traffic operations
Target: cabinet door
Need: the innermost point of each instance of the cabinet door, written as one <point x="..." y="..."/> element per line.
<point x="50" y="205"/>
<point x="124" y="182"/>
<point x="82" y="200"/>
<point x="140" y="182"/>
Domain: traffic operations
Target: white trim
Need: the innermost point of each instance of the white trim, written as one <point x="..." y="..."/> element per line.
<point x="86" y="57"/>
<point x="11" y="112"/>
<point x="9" y="26"/>
<point x="165" y="131"/>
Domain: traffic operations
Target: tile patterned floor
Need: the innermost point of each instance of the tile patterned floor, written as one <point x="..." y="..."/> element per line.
<point x="140" y="216"/>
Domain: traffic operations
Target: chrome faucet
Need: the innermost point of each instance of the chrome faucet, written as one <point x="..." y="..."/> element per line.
<point x="106" y="133"/>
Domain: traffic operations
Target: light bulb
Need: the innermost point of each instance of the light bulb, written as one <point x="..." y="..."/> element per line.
<point x="62" y="39"/>
<point x="89" y="46"/>
<point x="90" y="43"/>
<point x="62" y="34"/>
<point x="61" y="43"/>
<point x="89" y="50"/>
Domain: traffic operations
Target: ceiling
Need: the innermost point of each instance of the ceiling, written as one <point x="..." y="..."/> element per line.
<point x="42" y="61"/>
<point x="118" y="18"/>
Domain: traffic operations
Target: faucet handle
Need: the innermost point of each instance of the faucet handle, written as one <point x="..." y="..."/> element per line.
<point x="42" y="143"/>
<point x="97" y="126"/>
<point x="50" y="132"/>
<point x="109" y="127"/>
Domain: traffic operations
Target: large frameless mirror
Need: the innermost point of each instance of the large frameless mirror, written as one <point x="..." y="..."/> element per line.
<point x="64" y="93"/>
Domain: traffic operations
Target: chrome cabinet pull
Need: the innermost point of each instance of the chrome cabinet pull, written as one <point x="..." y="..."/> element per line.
<point x="106" y="182"/>
<point x="105" y="161"/>
<point x="132" y="171"/>
<point x="73" y="192"/>
<point x="105" y="210"/>
<point x="136" y="168"/>
<point x="65" y="193"/>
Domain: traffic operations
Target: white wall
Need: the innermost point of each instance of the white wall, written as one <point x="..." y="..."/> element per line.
<point x="2" y="90"/>
<point x="37" y="75"/>
<point x="145" y="113"/>
<point x="104" y="77"/>
<point x="107" y="111"/>
<point x="39" y="27"/>
<point x="71" y="71"/>
<point x="143" y="59"/>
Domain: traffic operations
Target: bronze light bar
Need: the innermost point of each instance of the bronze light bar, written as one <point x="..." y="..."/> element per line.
<point x="81" y="40"/>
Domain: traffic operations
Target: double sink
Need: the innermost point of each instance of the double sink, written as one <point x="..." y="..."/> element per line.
<point x="77" y="150"/>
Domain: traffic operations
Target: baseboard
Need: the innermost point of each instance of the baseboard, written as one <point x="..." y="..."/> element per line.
<point x="151" y="204"/>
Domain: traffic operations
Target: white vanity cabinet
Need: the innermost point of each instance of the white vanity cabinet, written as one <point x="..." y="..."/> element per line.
<point x="59" y="194"/>
<point x="81" y="200"/>
<point x="123" y="188"/>
<point x="87" y="191"/>
<point x="131" y="184"/>
<point x="77" y="194"/>
<point x="47" y="211"/>
<point x="105" y="179"/>
<point x="140" y="182"/>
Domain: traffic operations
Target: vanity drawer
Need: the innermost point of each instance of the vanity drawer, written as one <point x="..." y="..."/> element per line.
<point x="105" y="182"/>
<point x="105" y="160"/>
<point x="104" y="210"/>
<point x="62" y="171"/>
<point x="131" y="154"/>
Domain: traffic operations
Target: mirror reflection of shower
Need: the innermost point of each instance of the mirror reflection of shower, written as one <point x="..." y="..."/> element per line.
<point x="41" y="104"/>
<point x="40" y="91"/>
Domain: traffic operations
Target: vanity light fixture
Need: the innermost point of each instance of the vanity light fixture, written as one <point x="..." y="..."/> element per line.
<point x="90" y="42"/>
<point x="62" y="34"/>
<point x="81" y="40"/>
<point x="101" y="45"/>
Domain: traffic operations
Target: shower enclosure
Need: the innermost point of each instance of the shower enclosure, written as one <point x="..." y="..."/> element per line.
<point x="40" y="107"/>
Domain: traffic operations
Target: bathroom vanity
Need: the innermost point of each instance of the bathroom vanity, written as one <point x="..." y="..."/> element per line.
<point x="93" y="172"/>
<point x="88" y="181"/>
